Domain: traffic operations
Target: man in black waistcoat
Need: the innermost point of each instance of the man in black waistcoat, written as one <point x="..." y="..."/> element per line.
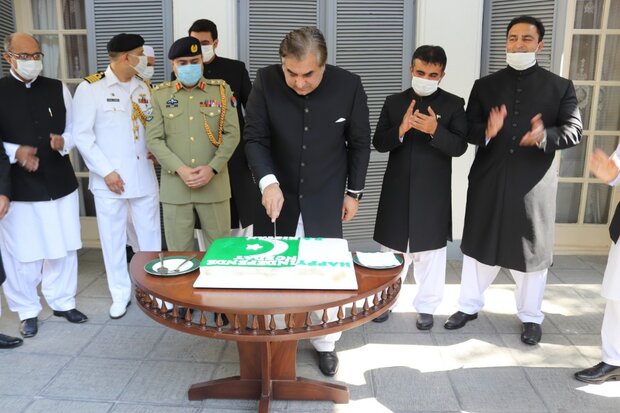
<point x="244" y="200"/>
<point x="308" y="144"/>
<point x="518" y="117"/>
<point x="422" y="128"/>
<point x="5" y="193"/>
<point x="41" y="232"/>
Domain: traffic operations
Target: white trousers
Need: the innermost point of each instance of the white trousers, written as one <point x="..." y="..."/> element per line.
<point x="529" y="291"/>
<point x="112" y="224"/>
<point x="610" y="333"/>
<point x="326" y="342"/>
<point x="58" y="279"/>
<point x="429" y="272"/>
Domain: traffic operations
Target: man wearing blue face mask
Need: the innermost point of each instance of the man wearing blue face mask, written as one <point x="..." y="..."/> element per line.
<point x="422" y="128"/>
<point x="193" y="133"/>
<point x="111" y="111"/>
<point x="518" y="118"/>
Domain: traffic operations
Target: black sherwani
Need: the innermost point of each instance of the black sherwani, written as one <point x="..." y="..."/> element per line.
<point x="415" y="203"/>
<point x="245" y="195"/>
<point x="5" y="189"/>
<point x="315" y="145"/>
<point x="510" y="214"/>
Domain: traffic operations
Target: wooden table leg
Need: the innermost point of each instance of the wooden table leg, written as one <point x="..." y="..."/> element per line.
<point x="268" y="373"/>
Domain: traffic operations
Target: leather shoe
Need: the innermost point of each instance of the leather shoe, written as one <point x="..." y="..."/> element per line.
<point x="599" y="373"/>
<point x="458" y="320"/>
<point x="118" y="310"/>
<point x="328" y="362"/>
<point x="29" y="327"/>
<point x="382" y="318"/>
<point x="532" y="333"/>
<point x="424" y="321"/>
<point x="73" y="315"/>
<point x="10" y="342"/>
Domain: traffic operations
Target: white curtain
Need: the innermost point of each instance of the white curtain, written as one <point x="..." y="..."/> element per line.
<point x="44" y="18"/>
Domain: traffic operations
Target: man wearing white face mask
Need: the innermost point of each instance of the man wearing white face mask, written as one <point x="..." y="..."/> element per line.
<point x="518" y="117"/>
<point x="40" y="234"/>
<point x="422" y="128"/>
<point x="112" y="108"/>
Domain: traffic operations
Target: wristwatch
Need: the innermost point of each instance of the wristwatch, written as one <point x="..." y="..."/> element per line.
<point x="355" y="195"/>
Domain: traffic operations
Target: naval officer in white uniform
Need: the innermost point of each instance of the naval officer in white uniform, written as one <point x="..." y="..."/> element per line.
<point x="111" y="110"/>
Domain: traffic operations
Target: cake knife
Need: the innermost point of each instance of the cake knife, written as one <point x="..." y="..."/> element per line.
<point x="274" y="228"/>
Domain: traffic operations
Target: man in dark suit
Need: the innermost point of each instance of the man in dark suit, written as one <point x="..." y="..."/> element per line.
<point x="243" y="202"/>
<point x="5" y="193"/>
<point x="422" y="128"/>
<point x="308" y="144"/>
<point x="518" y="117"/>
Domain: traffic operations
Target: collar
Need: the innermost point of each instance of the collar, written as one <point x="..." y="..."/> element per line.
<point x="177" y="85"/>
<point x="212" y="62"/>
<point x="27" y="84"/>
<point x="415" y="96"/>
<point x="111" y="79"/>
<point x="527" y="71"/>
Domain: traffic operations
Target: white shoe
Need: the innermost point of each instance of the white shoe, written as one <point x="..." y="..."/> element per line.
<point x="117" y="310"/>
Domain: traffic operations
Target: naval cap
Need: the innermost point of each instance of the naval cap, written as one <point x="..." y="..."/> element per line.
<point x="184" y="47"/>
<point x="125" y="42"/>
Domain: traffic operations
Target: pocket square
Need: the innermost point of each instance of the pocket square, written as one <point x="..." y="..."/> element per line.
<point x="340" y="120"/>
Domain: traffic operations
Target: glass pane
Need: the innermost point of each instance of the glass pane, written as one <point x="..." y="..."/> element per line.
<point x="611" y="71"/>
<point x="614" y="15"/>
<point x="607" y="144"/>
<point x="73" y="14"/>
<point x="572" y="160"/>
<point x="583" y="57"/>
<point x="567" y="210"/>
<point x="588" y="14"/>
<point x="44" y="14"/>
<point x="584" y="99"/>
<point x="77" y="55"/>
<point x="51" y="61"/>
<point x="597" y="204"/>
<point x="608" y="108"/>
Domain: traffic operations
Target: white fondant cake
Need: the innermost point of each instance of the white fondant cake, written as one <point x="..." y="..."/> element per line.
<point x="278" y="263"/>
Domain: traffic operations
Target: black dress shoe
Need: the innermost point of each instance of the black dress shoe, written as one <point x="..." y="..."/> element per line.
<point x="328" y="362"/>
<point x="129" y="252"/>
<point x="532" y="333"/>
<point x="10" y="342"/>
<point x="382" y="318"/>
<point x="458" y="320"/>
<point x="599" y="373"/>
<point x="424" y="321"/>
<point x="73" y="315"/>
<point x="29" y="327"/>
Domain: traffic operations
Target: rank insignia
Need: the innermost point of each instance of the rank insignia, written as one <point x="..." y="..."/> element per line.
<point x="113" y="99"/>
<point x="172" y="103"/>
<point x="142" y="99"/>
<point x="149" y="118"/>
<point x="233" y="101"/>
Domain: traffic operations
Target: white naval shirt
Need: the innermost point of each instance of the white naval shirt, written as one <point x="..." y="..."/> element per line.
<point x="104" y="134"/>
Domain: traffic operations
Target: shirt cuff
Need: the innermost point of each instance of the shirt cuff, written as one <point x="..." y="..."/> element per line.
<point x="616" y="181"/>
<point x="355" y="191"/>
<point x="543" y="143"/>
<point x="400" y="138"/>
<point x="267" y="180"/>
<point x="486" y="141"/>
<point x="11" y="151"/>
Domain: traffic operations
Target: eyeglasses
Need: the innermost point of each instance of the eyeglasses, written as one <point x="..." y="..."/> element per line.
<point x="27" y="56"/>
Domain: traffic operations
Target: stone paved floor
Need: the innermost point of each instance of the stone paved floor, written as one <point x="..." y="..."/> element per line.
<point x="135" y="365"/>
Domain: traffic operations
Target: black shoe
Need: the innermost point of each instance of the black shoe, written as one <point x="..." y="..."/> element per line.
<point x="328" y="362"/>
<point x="29" y="327"/>
<point x="73" y="315"/>
<point x="532" y="333"/>
<point x="458" y="320"/>
<point x="129" y="252"/>
<point x="599" y="373"/>
<point x="382" y="318"/>
<point x="10" y="342"/>
<point x="424" y="321"/>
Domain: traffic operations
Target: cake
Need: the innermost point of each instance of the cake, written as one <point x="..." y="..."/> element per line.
<point x="278" y="263"/>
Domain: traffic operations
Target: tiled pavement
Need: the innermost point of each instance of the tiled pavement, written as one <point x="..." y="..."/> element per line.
<point x="135" y="365"/>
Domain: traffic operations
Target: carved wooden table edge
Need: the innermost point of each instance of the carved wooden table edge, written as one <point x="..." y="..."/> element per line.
<point x="267" y="341"/>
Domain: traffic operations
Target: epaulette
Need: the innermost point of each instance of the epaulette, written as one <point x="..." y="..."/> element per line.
<point x="163" y="85"/>
<point x="216" y="82"/>
<point x="95" y="77"/>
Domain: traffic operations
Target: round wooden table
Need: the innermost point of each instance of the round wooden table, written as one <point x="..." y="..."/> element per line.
<point x="266" y="324"/>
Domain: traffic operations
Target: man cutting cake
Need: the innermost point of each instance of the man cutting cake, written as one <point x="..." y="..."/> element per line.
<point x="307" y="139"/>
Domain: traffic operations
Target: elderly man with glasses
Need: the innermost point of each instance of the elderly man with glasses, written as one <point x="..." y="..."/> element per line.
<point x="40" y="234"/>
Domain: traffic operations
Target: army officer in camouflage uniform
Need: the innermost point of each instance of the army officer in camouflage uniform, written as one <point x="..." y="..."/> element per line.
<point x="193" y="132"/>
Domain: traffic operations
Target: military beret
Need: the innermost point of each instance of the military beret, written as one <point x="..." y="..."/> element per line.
<point x="184" y="47"/>
<point x="125" y="42"/>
